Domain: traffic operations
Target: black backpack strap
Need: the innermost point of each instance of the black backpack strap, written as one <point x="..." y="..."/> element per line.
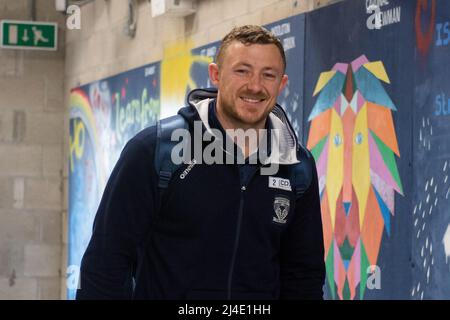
<point x="163" y="162"/>
<point x="164" y="169"/>
<point x="301" y="174"/>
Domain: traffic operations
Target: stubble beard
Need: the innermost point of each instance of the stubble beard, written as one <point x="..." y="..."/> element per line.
<point x="230" y="111"/>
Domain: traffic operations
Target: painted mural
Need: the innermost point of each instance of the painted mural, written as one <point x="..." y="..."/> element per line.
<point x="359" y="87"/>
<point x="104" y="115"/>
<point x="431" y="142"/>
<point x="352" y="137"/>
<point x="176" y="79"/>
<point x="199" y="70"/>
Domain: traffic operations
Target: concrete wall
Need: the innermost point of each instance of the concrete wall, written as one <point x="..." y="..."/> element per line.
<point x="31" y="147"/>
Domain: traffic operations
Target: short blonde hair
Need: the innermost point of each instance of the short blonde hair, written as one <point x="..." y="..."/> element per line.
<point x="250" y="34"/>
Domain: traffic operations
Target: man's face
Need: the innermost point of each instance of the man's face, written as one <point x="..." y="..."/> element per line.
<point x="249" y="80"/>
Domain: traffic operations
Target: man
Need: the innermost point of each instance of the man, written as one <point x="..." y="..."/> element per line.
<point x="221" y="230"/>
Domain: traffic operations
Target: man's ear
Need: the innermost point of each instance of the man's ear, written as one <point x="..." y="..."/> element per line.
<point x="213" y="70"/>
<point x="283" y="83"/>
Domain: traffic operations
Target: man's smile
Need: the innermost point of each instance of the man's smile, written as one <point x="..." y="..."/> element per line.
<point x="252" y="100"/>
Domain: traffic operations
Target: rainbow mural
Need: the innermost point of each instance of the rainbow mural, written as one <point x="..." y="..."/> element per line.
<point x="353" y="140"/>
<point x="104" y="115"/>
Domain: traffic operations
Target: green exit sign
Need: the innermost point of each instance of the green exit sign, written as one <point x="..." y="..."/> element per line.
<point x="29" y="35"/>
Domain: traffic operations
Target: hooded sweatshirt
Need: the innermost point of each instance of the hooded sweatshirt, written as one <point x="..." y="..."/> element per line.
<point x="221" y="231"/>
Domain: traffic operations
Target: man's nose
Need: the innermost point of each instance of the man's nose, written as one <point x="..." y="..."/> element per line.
<point x="254" y="83"/>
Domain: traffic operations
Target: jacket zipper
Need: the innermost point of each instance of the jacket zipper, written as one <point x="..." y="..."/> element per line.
<point x="244" y="185"/>
<point x="236" y="241"/>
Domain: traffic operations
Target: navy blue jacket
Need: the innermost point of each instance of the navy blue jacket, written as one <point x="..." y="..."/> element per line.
<point x="215" y="235"/>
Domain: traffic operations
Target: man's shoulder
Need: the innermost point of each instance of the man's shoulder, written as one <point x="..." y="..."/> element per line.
<point x="304" y="154"/>
<point x="140" y="145"/>
<point x="146" y="137"/>
<point x="303" y="173"/>
<point x="149" y="140"/>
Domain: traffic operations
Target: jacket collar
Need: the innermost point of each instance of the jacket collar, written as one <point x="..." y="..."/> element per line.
<point x="284" y="144"/>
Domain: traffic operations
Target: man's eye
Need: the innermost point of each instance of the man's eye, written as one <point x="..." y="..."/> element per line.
<point x="269" y="76"/>
<point x="241" y="71"/>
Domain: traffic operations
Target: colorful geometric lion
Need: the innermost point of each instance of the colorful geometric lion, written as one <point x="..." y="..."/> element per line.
<point x="353" y="140"/>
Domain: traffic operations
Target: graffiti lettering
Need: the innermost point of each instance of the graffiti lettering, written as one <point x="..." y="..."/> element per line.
<point x="77" y="142"/>
<point x="129" y="115"/>
<point x="371" y="4"/>
<point x="149" y="71"/>
<point x="442" y="105"/>
<point x="136" y="112"/>
<point x="380" y="18"/>
<point x="150" y="110"/>
<point x="289" y="43"/>
<point x="209" y="52"/>
<point x="281" y="29"/>
<point x="442" y="34"/>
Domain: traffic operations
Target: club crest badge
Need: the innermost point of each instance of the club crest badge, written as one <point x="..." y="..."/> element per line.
<point x="281" y="206"/>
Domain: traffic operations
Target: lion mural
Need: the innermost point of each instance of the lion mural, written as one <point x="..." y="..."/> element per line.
<point x="353" y="140"/>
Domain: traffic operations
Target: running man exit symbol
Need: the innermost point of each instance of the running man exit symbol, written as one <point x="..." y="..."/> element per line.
<point x="28" y="35"/>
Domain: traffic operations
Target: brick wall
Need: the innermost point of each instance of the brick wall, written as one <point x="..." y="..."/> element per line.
<point x="31" y="146"/>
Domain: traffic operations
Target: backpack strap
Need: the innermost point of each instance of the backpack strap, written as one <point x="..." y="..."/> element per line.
<point x="164" y="169"/>
<point x="163" y="163"/>
<point x="301" y="173"/>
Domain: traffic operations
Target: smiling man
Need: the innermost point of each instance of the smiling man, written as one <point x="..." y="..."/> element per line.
<point x="249" y="78"/>
<point x="212" y="230"/>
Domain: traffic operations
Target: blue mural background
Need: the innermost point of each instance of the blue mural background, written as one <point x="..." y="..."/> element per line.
<point x="431" y="146"/>
<point x="104" y="115"/>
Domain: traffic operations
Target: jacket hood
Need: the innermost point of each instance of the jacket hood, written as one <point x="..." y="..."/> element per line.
<point x="284" y="142"/>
